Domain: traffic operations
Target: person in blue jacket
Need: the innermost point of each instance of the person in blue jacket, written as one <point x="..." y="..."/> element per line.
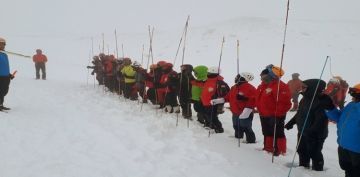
<point x="348" y="131"/>
<point x="5" y="75"/>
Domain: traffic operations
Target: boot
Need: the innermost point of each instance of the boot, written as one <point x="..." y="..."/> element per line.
<point x="268" y="144"/>
<point x="281" y="145"/>
<point x="317" y="165"/>
<point x="168" y="109"/>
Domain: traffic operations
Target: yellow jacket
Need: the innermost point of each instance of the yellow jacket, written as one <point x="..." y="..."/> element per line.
<point x="129" y="74"/>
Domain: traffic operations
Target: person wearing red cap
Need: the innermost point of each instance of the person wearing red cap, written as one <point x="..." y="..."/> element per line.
<point x="273" y="100"/>
<point x="5" y="75"/>
<point x="40" y="59"/>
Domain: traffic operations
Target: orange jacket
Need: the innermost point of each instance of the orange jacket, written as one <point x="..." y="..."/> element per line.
<point x="39" y="58"/>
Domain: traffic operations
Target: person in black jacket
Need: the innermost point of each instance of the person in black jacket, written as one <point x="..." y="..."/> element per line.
<point x="186" y="78"/>
<point x="312" y="124"/>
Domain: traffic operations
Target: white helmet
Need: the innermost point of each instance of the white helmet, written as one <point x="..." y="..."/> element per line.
<point x="214" y="70"/>
<point x="247" y="76"/>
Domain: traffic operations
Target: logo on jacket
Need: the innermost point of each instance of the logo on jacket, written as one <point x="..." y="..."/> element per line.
<point x="268" y="90"/>
<point x="210" y="89"/>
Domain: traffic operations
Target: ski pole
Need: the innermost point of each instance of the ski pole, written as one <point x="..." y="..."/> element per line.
<point x="14" y="53"/>
<point x="307" y="115"/>
<point x="278" y="87"/>
<point x="116" y="44"/>
<point x="238" y="72"/>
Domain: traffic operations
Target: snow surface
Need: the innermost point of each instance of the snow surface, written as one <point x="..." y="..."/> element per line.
<point x="66" y="127"/>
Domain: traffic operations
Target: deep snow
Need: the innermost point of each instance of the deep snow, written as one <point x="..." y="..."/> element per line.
<point x="66" y="127"/>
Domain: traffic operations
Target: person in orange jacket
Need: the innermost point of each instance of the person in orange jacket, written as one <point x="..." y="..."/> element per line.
<point x="212" y="96"/>
<point x="273" y="101"/>
<point x="295" y="85"/>
<point x="40" y="59"/>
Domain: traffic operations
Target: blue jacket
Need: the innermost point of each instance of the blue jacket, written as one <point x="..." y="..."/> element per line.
<point x="348" y="126"/>
<point x="4" y="65"/>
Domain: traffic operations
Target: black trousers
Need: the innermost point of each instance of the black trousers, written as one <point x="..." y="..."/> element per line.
<point x="350" y="162"/>
<point x="4" y="87"/>
<point x="310" y="149"/>
<point x="268" y="124"/>
<point x="40" y="66"/>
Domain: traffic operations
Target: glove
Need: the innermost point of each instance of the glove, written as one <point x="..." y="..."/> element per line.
<point x="241" y="97"/>
<point x="11" y="76"/>
<point x="246" y="113"/>
<point x="327" y="102"/>
<point x="217" y="101"/>
<point x="289" y="126"/>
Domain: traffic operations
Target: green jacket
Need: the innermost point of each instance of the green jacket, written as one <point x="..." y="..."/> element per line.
<point x="200" y="73"/>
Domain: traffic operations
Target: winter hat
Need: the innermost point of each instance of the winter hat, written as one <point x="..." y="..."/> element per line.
<point x="167" y="66"/>
<point x="200" y="72"/>
<point x="127" y="61"/>
<point x="188" y="67"/>
<point x="214" y="70"/>
<point x="355" y="91"/>
<point x="38" y="51"/>
<point x="2" y="40"/>
<point x="295" y="75"/>
<point x="136" y="64"/>
<point x="247" y="76"/>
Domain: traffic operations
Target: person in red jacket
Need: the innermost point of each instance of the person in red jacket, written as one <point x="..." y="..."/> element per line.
<point x="273" y="101"/>
<point x="337" y="89"/>
<point x="40" y="59"/>
<point x="169" y="80"/>
<point x="212" y="96"/>
<point x="242" y="102"/>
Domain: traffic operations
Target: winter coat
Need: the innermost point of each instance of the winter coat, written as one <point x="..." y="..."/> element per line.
<point x="245" y="89"/>
<point x="198" y="84"/>
<point x="266" y="98"/>
<point x="214" y="87"/>
<point x="4" y="65"/>
<point x="128" y="73"/>
<point x="39" y="58"/>
<point x="169" y="79"/>
<point x="295" y="86"/>
<point x="348" y="126"/>
<point x="185" y="87"/>
<point x="317" y="121"/>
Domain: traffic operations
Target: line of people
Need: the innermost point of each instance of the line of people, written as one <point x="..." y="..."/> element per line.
<point x="207" y="91"/>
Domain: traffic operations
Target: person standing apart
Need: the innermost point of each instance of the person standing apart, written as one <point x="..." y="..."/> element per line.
<point x="5" y="75"/>
<point x="40" y="59"/>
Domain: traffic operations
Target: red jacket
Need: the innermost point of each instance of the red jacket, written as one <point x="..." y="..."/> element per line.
<point x="38" y="58"/>
<point x="266" y="99"/>
<point x="245" y="89"/>
<point x="212" y="89"/>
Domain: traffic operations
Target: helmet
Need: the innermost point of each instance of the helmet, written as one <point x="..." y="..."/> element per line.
<point x="2" y="40"/>
<point x="214" y="70"/>
<point x="275" y="71"/>
<point x="136" y="64"/>
<point x="127" y="61"/>
<point x="247" y="76"/>
<point x="161" y="63"/>
<point x="355" y="91"/>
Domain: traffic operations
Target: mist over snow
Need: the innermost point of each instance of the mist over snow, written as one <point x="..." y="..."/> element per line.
<point x="66" y="127"/>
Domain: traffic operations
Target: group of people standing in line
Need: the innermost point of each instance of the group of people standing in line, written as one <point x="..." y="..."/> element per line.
<point x="205" y="89"/>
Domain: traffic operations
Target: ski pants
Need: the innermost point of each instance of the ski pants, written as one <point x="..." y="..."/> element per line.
<point x="40" y="66"/>
<point x="242" y="126"/>
<point x="199" y="108"/>
<point x="212" y="119"/>
<point x="310" y="148"/>
<point x="350" y="162"/>
<point x="4" y="87"/>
